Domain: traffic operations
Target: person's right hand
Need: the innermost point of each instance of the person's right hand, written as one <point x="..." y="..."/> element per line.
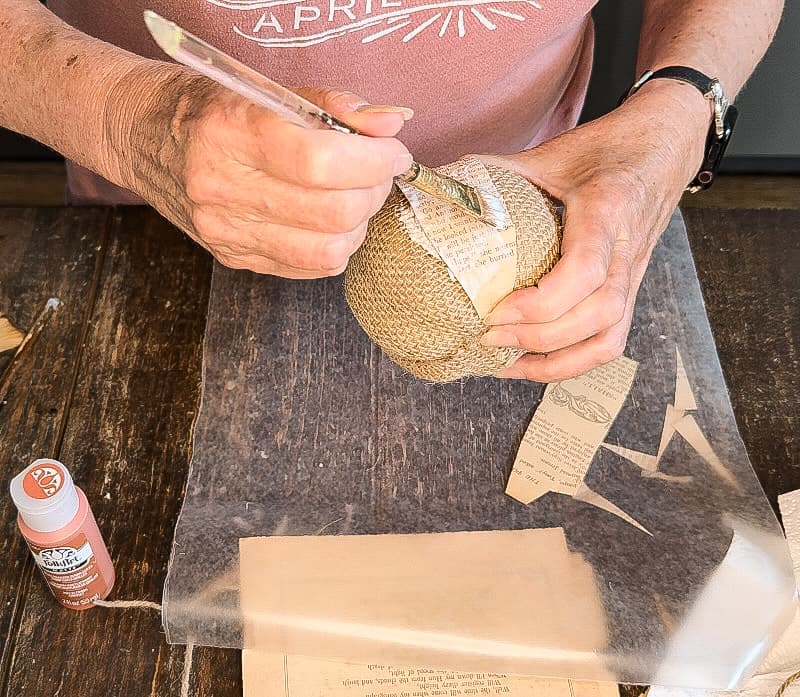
<point x="257" y="192"/>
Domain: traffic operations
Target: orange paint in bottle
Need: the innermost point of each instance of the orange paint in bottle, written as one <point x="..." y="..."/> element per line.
<point x="61" y="532"/>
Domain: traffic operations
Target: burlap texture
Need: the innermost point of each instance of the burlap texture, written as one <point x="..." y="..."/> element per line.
<point x="408" y="304"/>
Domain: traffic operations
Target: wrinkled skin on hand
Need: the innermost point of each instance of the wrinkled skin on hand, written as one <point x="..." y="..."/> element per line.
<point x="620" y="178"/>
<point x="257" y="192"/>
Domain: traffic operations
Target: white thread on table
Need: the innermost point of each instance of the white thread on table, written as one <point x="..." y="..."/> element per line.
<point x="188" y="655"/>
<point x="145" y="604"/>
<point x="187" y="668"/>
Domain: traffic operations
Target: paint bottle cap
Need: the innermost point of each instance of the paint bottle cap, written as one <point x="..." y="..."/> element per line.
<point x="45" y="496"/>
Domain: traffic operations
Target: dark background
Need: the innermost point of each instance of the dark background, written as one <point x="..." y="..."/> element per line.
<point x="765" y="140"/>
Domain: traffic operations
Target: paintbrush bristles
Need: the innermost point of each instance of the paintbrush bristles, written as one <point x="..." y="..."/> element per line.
<point x="448" y="189"/>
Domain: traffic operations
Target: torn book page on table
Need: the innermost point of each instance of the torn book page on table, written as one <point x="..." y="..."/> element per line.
<point x="566" y="431"/>
<point x="568" y="427"/>
<point x="267" y="674"/>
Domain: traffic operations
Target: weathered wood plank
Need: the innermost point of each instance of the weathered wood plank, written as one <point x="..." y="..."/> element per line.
<point x="749" y="267"/>
<point x="43" y="254"/>
<point x="743" y="191"/>
<point x="138" y="387"/>
<point x="32" y="183"/>
<point x="127" y="442"/>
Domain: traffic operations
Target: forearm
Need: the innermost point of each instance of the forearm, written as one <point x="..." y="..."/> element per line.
<point x="722" y="38"/>
<point x="55" y="83"/>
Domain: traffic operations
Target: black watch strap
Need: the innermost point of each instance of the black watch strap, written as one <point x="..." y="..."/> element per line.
<point x="675" y="72"/>
<point x="724" y="116"/>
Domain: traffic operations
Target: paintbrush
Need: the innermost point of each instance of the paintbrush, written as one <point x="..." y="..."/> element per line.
<point x="195" y="53"/>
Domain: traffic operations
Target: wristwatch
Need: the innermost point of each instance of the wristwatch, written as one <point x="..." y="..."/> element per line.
<point x="724" y="113"/>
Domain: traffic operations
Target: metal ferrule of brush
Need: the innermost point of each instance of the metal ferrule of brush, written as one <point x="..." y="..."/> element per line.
<point x="443" y="187"/>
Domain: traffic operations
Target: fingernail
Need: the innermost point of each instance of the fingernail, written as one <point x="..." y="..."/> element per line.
<point x="402" y="163"/>
<point x="504" y="315"/>
<point x="499" y="338"/>
<point x="406" y="112"/>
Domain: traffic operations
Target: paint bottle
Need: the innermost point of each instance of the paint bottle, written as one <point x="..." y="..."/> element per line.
<point x="61" y="532"/>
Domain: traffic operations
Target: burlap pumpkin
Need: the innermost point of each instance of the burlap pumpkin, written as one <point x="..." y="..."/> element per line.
<point x="407" y="302"/>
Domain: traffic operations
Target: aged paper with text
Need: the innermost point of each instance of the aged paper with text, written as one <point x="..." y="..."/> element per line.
<point x="568" y="427"/>
<point x="480" y="256"/>
<point x="267" y="674"/>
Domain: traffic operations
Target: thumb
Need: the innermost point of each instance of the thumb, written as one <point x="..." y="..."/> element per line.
<point x="541" y="165"/>
<point x="369" y="119"/>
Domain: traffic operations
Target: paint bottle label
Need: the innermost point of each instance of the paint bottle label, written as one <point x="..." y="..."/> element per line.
<point x="71" y="571"/>
<point x="62" y="534"/>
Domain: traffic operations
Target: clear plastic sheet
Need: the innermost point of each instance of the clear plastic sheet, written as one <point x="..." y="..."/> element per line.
<point x="306" y="429"/>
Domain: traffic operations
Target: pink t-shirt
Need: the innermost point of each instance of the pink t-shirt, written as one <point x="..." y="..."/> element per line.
<point x="483" y="76"/>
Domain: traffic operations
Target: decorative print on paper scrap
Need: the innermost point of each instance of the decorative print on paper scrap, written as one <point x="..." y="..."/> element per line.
<point x="580" y="405"/>
<point x="300" y="23"/>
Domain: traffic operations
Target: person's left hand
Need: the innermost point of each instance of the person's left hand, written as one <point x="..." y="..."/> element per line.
<point x="620" y="178"/>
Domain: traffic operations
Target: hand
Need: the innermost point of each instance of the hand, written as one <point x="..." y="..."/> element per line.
<point x="257" y="192"/>
<point x="620" y="178"/>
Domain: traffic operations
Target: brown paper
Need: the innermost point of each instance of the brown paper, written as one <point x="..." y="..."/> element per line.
<point x="591" y="497"/>
<point x="691" y="432"/>
<point x="10" y="336"/>
<point x="684" y="397"/>
<point x="472" y="601"/>
<point x="267" y="674"/>
<point x="671" y="417"/>
<point x="567" y="429"/>
<point x="677" y="420"/>
<point x="480" y="256"/>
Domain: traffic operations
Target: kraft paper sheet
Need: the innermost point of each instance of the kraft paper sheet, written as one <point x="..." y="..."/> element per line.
<point x="496" y="604"/>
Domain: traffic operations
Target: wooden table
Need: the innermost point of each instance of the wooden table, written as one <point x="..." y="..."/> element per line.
<point x="110" y="384"/>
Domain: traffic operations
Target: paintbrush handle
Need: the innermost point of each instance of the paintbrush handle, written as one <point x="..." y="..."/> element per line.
<point x="188" y="49"/>
<point x="207" y="60"/>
